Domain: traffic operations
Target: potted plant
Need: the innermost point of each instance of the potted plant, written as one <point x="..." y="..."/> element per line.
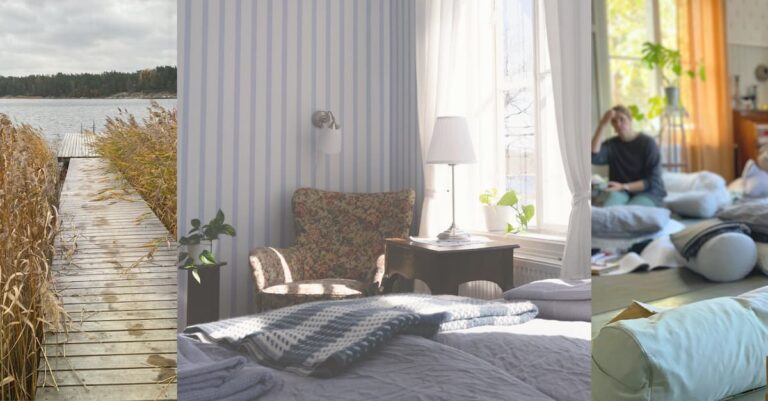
<point x="505" y="213"/>
<point x="199" y="261"/>
<point x="655" y="55"/>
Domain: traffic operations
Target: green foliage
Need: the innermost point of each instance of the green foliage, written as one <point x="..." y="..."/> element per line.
<point x="158" y="79"/>
<point x="655" y="55"/>
<point x="489" y="196"/>
<point x="523" y="213"/>
<point x="199" y="234"/>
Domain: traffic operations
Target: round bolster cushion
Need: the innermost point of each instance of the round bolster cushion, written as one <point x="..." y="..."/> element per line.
<point x="704" y="351"/>
<point x="726" y="257"/>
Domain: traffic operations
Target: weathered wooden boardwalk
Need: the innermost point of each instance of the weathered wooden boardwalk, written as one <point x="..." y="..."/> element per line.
<point x="119" y="290"/>
<point x="76" y="145"/>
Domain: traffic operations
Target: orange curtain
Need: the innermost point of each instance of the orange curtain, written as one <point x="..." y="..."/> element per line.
<point x="703" y="40"/>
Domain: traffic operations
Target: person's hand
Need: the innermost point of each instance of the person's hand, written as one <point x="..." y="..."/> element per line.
<point x="614" y="186"/>
<point x="607" y="117"/>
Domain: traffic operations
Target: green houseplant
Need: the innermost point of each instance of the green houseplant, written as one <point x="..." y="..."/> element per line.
<point x="505" y="213"/>
<point x="655" y="55"/>
<point x="199" y="244"/>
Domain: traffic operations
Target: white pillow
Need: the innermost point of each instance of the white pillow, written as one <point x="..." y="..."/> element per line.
<point x="762" y="256"/>
<point x="698" y="204"/>
<point x="755" y="181"/>
<point x="703" y="351"/>
<point x="552" y="290"/>
<point x="698" y="194"/>
<point x="726" y="257"/>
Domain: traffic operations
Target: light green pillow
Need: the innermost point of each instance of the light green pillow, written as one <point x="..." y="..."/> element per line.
<point x="762" y="256"/>
<point x="703" y="351"/>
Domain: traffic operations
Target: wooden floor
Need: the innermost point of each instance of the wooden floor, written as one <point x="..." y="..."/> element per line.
<point x="120" y="293"/>
<point x="664" y="288"/>
<point x="76" y="145"/>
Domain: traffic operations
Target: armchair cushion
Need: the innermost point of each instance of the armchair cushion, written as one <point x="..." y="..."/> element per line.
<point x="297" y="292"/>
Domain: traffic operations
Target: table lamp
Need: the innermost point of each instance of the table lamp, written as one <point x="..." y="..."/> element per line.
<point x="451" y="145"/>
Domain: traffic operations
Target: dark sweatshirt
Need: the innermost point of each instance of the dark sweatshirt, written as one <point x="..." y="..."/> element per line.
<point x="632" y="161"/>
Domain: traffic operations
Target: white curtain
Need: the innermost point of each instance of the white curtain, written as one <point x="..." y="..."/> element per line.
<point x="455" y="75"/>
<point x="568" y="26"/>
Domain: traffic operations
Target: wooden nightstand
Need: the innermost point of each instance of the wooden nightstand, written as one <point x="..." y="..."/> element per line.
<point x="443" y="269"/>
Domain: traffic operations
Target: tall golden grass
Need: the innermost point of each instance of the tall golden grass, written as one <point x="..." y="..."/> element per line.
<point x="145" y="154"/>
<point x="29" y="176"/>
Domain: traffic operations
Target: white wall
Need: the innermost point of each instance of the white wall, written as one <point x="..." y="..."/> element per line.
<point x="747" y="34"/>
<point x="251" y="73"/>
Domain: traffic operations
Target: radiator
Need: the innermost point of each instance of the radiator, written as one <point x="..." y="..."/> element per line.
<point x="527" y="269"/>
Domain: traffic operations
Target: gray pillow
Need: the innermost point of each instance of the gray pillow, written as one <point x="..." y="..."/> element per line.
<point x="627" y="221"/>
<point x="753" y="213"/>
<point x="552" y="290"/>
<point x="564" y="310"/>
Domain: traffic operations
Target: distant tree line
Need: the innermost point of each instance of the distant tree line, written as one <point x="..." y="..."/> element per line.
<point x="159" y="79"/>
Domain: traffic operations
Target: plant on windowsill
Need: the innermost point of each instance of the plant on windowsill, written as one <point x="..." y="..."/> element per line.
<point x="505" y="213"/>
<point x="668" y="63"/>
<point x="199" y="245"/>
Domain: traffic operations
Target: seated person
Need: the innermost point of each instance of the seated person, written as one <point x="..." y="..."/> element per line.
<point x="633" y="159"/>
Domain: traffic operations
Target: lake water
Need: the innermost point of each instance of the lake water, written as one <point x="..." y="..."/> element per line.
<point x="57" y="116"/>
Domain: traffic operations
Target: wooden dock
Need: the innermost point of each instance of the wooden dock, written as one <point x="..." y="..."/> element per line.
<point x="119" y="290"/>
<point x="76" y="145"/>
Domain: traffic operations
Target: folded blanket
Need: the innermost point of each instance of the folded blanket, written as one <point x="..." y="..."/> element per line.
<point x="322" y="338"/>
<point x="689" y="241"/>
<point x="202" y="378"/>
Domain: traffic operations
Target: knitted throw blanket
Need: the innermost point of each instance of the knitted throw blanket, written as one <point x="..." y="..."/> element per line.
<point x="323" y="338"/>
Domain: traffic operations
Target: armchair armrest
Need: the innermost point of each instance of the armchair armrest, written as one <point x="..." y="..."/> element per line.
<point x="272" y="266"/>
<point x="375" y="276"/>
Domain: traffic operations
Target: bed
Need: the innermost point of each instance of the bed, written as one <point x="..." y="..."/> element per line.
<point x="538" y="360"/>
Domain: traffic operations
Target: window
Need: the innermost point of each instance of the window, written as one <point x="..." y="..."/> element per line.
<point x="627" y="25"/>
<point x="534" y="166"/>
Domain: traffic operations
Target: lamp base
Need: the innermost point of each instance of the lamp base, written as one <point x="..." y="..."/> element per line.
<point x="453" y="233"/>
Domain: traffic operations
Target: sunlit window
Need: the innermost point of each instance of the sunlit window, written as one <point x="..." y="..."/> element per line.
<point x="629" y="24"/>
<point x="533" y="162"/>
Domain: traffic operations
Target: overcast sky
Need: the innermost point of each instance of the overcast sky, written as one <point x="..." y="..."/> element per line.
<point x="50" y="36"/>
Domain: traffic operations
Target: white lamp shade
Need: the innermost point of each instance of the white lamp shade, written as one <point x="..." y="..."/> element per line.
<point x="451" y="143"/>
<point x="329" y="141"/>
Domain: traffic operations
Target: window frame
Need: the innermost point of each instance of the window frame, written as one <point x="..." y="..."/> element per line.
<point x="602" y="56"/>
<point x="556" y="233"/>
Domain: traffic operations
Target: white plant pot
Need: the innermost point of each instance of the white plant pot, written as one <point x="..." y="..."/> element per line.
<point x="195" y="250"/>
<point x="497" y="217"/>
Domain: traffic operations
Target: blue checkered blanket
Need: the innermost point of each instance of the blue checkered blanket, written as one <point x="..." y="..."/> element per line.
<point x="323" y="338"/>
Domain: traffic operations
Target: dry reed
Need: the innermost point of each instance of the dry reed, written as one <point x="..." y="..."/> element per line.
<point x="145" y="154"/>
<point x="29" y="307"/>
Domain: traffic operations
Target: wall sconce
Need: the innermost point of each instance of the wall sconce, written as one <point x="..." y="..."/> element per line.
<point x="329" y="141"/>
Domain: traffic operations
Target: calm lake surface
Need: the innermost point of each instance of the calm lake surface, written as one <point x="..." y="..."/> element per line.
<point x="57" y="116"/>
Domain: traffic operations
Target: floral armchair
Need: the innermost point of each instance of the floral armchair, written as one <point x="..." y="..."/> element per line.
<point x="339" y="247"/>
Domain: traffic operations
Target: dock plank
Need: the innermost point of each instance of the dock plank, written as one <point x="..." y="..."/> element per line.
<point x="77" y="145"/>
<point x="120" y="342"/>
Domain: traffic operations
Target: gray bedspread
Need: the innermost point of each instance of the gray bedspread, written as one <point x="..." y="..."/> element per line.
<point x="552" y="356"/>
<point x="541" y="360"/>
<point x="410" y="368"/>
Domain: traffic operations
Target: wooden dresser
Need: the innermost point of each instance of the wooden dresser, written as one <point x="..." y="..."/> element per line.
<point x="745" y="132"/>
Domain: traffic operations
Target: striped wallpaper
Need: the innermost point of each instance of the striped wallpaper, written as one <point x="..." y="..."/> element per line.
<point x="251" y="73"/>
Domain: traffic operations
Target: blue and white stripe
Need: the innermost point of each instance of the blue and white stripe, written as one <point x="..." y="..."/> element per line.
<point x="252" y="73"/>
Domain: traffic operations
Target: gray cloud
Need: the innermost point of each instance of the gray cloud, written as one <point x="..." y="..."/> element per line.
<point x="50" y="36"/>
